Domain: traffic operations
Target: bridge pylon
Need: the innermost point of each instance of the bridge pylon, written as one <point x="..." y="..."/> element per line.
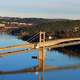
<point x="42" y="52"/>
<point x="42" y="46"/>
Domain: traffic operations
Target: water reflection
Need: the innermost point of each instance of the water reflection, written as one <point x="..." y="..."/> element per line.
<point x="40" y="69"/>
<point x="69" y="51"/>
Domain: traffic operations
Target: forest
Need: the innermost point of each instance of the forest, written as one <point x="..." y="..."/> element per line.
<point x="59" y="28"/>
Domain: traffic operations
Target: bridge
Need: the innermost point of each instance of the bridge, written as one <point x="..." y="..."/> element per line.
<point x="41" y="45"/>
<point x="28" y="47"/>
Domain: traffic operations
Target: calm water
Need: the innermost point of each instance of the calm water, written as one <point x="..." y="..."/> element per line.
<point x="23" y="61"/>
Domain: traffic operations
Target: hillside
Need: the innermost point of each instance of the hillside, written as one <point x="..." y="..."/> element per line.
<point x="59" y="27"/>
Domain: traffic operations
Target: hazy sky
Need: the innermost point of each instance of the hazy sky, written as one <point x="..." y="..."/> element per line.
<point x="41" y="8"/>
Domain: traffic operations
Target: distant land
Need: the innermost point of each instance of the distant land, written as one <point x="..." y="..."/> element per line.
<point x="23" y="27"/>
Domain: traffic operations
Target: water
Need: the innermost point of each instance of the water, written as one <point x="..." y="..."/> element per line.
<point x="25" y="61"/>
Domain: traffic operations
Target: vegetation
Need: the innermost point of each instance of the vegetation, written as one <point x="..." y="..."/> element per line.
<point x="58" y="27"/>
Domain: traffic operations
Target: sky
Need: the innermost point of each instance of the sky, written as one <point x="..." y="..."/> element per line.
<point x="69" y="9"/>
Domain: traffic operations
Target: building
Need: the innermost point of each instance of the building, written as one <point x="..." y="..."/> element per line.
<point x="2" y="25"/>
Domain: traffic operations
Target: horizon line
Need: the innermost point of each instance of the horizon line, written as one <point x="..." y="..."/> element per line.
<point x="38" y="17"/>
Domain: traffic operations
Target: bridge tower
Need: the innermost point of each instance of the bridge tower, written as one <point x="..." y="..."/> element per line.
<point x="41" y="53"/>
<point x="42" y="46"/>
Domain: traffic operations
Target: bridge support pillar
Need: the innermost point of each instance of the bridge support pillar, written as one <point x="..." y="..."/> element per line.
<point x="42" y="46"/>
<point x="42" y="52"/>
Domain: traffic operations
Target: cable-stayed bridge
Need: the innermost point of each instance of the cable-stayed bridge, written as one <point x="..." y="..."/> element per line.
<point x="41" y="45"/>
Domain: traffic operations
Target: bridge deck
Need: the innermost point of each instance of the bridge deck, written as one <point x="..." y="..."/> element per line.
<point x="33" y="46"/>
<point x="18" y="46"/>
<point x="47" y="43"/>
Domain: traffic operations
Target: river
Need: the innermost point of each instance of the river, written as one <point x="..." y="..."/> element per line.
<point x="25" y="61"/>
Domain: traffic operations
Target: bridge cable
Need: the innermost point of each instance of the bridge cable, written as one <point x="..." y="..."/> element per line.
<point x="33" y="37"/>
